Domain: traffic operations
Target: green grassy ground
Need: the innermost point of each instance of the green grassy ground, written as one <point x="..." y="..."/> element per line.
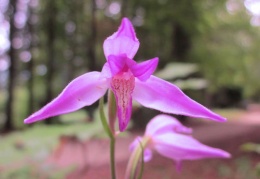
<point x="37" y="142"/>
<point x="231" y="114"/>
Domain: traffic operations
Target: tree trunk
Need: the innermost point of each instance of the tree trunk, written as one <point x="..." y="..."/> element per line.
<point x="91" y="52"/>
<point x="92" y="38"/>
<point x="51" y="12"/>
<point x="30" y="66"/>
<point x="71" y="40"/>
<point x="9" y="124"/>
<point x="124" y="8"/>
<point x="180" y="42"/>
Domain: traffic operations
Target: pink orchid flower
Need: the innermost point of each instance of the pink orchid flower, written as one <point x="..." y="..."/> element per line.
<point x="128" y="80"/>
<point x="171" y="139"/>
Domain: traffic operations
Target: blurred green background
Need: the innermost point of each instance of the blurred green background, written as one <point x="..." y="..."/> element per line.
<point x="209" y="48"/>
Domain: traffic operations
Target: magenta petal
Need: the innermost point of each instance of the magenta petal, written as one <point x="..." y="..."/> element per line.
<point x="158" y="94"/>
<point x="116" y="63"/>
<point x="164" y="123"/>
<point x="148" y="155"/>
<point x="182" y="147"/>
<point x="124" y="113"/>
<point x="147" y="152"/>
<point x="123" y="41"/>
<point x="106" y="71"/>
<point x="135" y="143"/>
<point x="144" y="70"/>
<point x="122" y="85"/>
<point x="82" y="91"/>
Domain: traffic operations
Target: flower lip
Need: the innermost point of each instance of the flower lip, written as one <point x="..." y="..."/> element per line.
<point x="123" y="85"/>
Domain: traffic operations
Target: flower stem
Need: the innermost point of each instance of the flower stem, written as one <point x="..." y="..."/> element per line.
<point x="111" y="111"/>
<point x="131" y="170"/>
<point x="112" y="158"/>
<point x="103" y="119"/>
<point x="142" y="164"/>
<point x="111" y="137"/>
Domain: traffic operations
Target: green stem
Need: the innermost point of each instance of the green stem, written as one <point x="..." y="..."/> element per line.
<point x="132" y="165"/>
<point x="142" y="163"/>
<point x="111" y="137"/>
<point x="111" y="111"/>
<point x="112" y="158"/>
<point x="103" y="119"/>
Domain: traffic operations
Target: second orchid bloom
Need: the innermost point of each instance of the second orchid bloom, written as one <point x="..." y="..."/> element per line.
<point x="171" y="139"/>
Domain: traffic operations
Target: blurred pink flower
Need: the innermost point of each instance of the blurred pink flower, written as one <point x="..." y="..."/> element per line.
<point x="171" y="139"/>
<point x="128" y="80"/>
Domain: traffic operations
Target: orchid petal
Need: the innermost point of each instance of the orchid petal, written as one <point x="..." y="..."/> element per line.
<point x="82" y="91"/>
<point x="182" y="147"/>
<point x="122" y="86"/>
<point x="147" y="152"/>
<point x="144" y="70"/>
<point x="124" y="41"/>
<point x="158" y="94"/>
<point x="106" y="72"/>
<point x="124" y="112"/>
<point x="116" y="63"/>
<point x="148" y="155"/>
<point x="178" y="165"/>
<point x="135" y="143"/>
<point x="164" y="123"/>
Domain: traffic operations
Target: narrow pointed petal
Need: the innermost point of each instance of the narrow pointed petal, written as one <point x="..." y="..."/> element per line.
<point x="82" y="91"/>
<point x="164" y="123"/>
<point x="144" y="70"/>
<point x="158" y="94"/>
<point x="182" y="147"/>
<point x="124" y="41"/>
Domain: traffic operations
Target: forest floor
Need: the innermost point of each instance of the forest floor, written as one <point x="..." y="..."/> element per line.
<point x="91" y="158"/>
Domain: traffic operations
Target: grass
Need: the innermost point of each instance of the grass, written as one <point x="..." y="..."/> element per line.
<point x="231" y="114"/>
<point x="36" y="143"/>
<point x="18" y="144"/>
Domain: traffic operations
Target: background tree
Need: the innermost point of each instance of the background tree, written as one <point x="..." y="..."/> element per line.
<point x="9" y="125"/>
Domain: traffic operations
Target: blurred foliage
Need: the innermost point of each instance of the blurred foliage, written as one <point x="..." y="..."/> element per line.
<point x="251" y="147"/>
<point x="227" y="50"/>
<point x="181" y="75"/>
<point x="203" y="44"/>
<point x="241" y="168"/>
<point x="177" y="70"/>
<point x="27" y="172"/>
<point x="254" y="148"/>
<point x="192" y="84"/>
<point x="221" y="41"/>
<point x="29" y="144"/>
<point x="22" y="153"/>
